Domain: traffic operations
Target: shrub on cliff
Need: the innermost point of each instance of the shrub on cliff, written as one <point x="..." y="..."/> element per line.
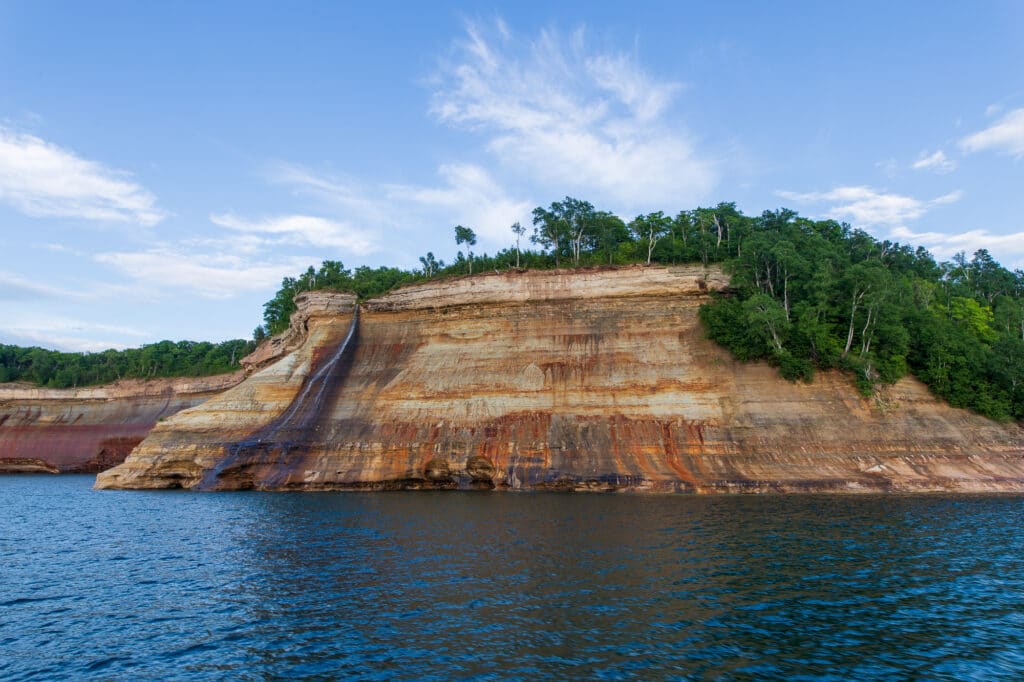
<point x="806" y="294"/>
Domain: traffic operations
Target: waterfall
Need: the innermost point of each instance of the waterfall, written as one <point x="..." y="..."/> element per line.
<point x="305" y="409"/>
<point x="287" y="432"/>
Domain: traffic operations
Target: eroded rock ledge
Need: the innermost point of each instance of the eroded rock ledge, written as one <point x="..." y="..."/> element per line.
<point x="587" y="380"/>
<point x="86" y="430"/>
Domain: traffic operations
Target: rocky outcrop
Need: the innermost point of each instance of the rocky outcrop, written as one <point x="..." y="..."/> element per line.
<point x="87" y="430"/>
<point x="26" y="465"/>
<point x="308" y="304"/>
<point x="592" y="380"/>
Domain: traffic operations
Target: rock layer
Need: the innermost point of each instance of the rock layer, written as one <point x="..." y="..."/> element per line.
<point x="87" y="430"/>
<point x="586" y="380"/>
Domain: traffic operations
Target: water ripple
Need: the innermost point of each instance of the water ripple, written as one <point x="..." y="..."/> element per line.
<point x="249" y="586"/>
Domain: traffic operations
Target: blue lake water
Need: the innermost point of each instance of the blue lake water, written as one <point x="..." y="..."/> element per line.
<point x="178" y="585"/>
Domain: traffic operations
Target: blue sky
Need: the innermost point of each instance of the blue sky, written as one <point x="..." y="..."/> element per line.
<point x="163" y="165"/>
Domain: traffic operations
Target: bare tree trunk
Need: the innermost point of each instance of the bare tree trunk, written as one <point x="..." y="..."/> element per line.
<point x="785" y="294"/>
<point x="865" y="336"/>
<point x="853" y="313"/>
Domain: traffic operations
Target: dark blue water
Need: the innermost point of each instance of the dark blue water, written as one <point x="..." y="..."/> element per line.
<point x="177" y="585"/>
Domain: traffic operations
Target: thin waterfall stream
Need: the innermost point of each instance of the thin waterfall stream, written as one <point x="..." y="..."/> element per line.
<point x="290" y="430"/>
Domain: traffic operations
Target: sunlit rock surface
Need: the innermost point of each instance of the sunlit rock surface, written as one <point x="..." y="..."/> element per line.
<point x="590" y="380"/>
<point x="86" y="430"/>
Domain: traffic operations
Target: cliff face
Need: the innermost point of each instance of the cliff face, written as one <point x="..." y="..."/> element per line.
<point x="593" y="380"/>
<point x="87" y="430"/>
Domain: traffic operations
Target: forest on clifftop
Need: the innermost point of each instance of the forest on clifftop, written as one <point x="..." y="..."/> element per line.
<point x="805" y="295"/>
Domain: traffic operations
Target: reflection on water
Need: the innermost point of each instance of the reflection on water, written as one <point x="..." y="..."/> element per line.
<point x="157" y="585"/>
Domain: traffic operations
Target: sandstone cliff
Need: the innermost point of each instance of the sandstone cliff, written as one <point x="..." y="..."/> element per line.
<point x="86" y="430"/>
<point x="591" y="380"/>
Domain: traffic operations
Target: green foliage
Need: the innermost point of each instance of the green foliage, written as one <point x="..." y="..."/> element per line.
<point x="55" y="369"/>
<point x="806" y="295"/>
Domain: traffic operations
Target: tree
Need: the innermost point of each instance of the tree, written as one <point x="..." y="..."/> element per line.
<point x="578" y="216"/>
<point x="549" y="231"/>
<point x="519" y="231"/>
<point x="609" y="232"/>
<point x="464" y="235"/>
<point x="650" y="228"/>
<point x="430" y="264"/>
<point x="765" y="315"/>
<point x="569" y="222"/>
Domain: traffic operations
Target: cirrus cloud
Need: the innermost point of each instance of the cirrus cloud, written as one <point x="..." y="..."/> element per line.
<point x="937" y="162"/>
<point x="303" y="229"/>
<point x="211" y="273"/>
<point x="42" y="179"/>
<point x="1006" y="136"/>
<point x="555" y="111"/>
<point x="865" y="206"/>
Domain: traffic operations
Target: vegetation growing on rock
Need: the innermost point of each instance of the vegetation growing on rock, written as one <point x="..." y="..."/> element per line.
<point x="806" y="294"/>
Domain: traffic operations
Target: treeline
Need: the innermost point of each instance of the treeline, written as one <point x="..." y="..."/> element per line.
<point x="805" y="294"/>
<point x="55" y="369"/>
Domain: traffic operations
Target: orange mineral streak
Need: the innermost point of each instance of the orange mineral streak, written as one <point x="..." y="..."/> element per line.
<point x="86" y="430"/>
<point x="561" y="380"/>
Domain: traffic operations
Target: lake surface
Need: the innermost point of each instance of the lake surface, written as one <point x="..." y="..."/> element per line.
<point x="178" y="585"/>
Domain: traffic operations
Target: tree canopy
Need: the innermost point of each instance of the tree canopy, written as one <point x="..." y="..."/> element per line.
<point x="55" y="369"/>
<point x="805" y="295"/>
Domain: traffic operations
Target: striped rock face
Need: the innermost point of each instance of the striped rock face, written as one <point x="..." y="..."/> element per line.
<point x="588" y="380"/>
<point x="87" y="430"/>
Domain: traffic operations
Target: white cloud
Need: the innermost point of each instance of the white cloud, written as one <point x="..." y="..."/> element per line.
<point x="303" y="229"/>
<point x="866" y="207"/>
<point x="1006" y="248"/>
<point x="465" y="194"/>
<point x="469" y="196"/>
<point x="888" y="167"/>
<point x="19" y="288"/>
<point x="41" y="179"/>
<point x="68" y="333"/>
<point x="936" y="162"/>
<point x="593" y="124"/>
<point x="1006" y="136"/>
<point x="16" y="288"/>
<point x="209" y="273"/>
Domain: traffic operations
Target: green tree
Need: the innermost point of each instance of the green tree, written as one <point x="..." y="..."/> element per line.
<point x="518" y="230"/>
<point x="650" y="228"/>
<point x="464" y="235"/>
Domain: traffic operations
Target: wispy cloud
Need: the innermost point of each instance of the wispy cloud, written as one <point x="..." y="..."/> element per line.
<point x="21" y="289"/>
<point x="937" y="162"/>
<point x="867" y="207"/>
<point x="41" y="179"/>
<point x="68" y="333"/>
<point x="465" y="193"/>
<point x="1007" y="248"/>
<point x="210" y="272"/>
<point x="303" y="229"/>
<point x="1005" y="136"/>
<point x="889" y="167"/>
<point x="16" y="288"/>
<point x="560" y="113"/>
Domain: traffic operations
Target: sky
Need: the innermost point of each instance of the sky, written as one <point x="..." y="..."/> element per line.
<point x="164" y="165"/>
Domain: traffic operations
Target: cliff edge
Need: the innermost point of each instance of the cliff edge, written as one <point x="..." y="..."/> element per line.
<point x="86" y="430"/>
<point x="570" y="380"/>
